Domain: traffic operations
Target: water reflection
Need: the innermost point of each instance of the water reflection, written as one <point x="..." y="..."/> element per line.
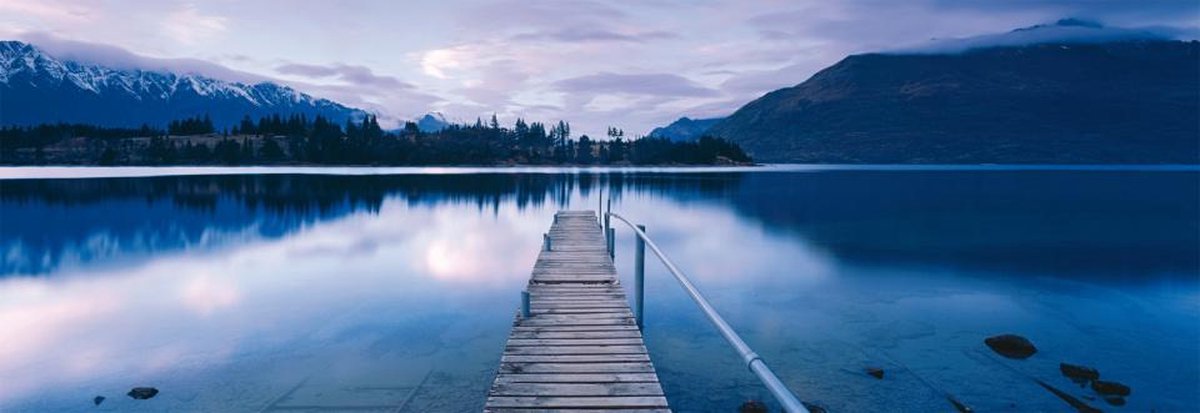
<point x="273" y="292"/>
<point x="1001" y="220"/>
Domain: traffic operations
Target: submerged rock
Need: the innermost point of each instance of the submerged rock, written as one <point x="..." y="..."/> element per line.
<point x="1011" y="346"/>
<point x="142" y="393"/>
<point x="98" y="399"/>
<point x="1110" y="388"/>
<point x="875" y="372"/>
<point x="1115" y="400"/>
<point x="1079" y="374"/>
<point x="753" y="406"/>
<point x="813" y="408"/>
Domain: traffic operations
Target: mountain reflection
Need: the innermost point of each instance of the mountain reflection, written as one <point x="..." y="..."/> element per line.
<point x="54" y="222"/>
<point x="1091" y="222"/>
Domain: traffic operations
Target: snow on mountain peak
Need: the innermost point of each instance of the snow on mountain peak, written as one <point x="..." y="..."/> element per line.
<point x="27" y="62"/>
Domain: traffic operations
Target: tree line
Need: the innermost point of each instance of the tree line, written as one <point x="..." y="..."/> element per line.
<point x="297" y="139"/>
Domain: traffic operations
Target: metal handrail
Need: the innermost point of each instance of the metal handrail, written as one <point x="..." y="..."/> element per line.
<point x="753" y="361"/>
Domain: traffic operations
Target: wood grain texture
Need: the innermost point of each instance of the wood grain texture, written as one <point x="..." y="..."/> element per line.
<point x="580" y="350"/>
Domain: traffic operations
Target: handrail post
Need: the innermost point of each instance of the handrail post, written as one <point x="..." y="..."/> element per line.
<point x="546" y="242"/>
<point x="607" y="218"/>
<point x="612" y="243"/>
<point x="525" y="312"/>
<point x="639" y="277"/>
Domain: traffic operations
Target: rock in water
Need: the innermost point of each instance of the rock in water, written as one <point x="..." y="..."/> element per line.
<point x="1079" y="374"/>
<point x="1115" y="400"/>
<point x="1110" y="388"/>
<point x="875" y="372"/>
<point x="813" y="408"/>
<point x="753" y="406"/>
<point x="1011" y="346"/>
<point x="142" y="393"/>
<point x="98" y="400"/>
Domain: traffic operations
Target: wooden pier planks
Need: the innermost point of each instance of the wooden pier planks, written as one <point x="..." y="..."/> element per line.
<point x="581" y="349"/>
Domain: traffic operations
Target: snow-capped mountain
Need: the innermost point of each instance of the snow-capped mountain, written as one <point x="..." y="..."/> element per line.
<point x="36" y="87"/>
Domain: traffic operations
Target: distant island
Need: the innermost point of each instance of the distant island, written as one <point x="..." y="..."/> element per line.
<point x="297" y="140"/>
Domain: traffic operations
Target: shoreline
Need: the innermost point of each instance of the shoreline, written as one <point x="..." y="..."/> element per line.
<point x="84" y="172"/>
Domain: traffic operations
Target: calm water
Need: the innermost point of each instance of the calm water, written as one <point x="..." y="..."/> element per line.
<point x="260" y="292"/>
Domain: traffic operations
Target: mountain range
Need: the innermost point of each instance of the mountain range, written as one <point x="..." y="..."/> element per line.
<point x="684" y="129"/>
<point x="36" y="87"/>
<point x="1045" y="94"/>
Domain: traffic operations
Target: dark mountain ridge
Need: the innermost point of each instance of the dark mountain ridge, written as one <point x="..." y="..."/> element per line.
<point x="1135" y="101"/>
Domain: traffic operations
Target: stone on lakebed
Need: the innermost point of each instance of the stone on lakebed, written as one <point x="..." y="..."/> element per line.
<point x="142" y="393"/>
<point x="1110" y="388"/>
<point x="1011" y="346"/>
<point x="1078" y="374"/>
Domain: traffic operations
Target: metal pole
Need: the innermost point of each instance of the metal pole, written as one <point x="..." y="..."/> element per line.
<point x="639" y="277"/>
<point x="612" y="243"/>
<point x="525" y="313"/>
<point x="753" y="361"/>
<point x="607" y="219"/>
<point x="546" y="241"/>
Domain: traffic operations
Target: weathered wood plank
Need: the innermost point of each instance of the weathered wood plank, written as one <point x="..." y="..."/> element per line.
<point x="576" y="350"/>
<point x="576" y="368"/>
<point x="575" y="334"/>
<point x="606" y="402"/>
<point x="515" y="410"/>
<point x="577" y="389"/>
<point x="578" y="378"/>
<point x="552" y="327"/>
<point x="573" y="358"/>
<point x="521" y="342"/>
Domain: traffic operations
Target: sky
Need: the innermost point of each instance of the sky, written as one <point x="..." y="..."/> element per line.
<point x="630" y="64"/>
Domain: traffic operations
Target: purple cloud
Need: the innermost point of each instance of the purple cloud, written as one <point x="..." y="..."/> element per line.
<point x="353" y="74"/>
<point x="650" y="84"/>
<point x="118" y="58"/>
<point x="579" y="35"/>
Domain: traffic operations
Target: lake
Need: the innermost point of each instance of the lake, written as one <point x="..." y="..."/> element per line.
<point x="393" y="289"/>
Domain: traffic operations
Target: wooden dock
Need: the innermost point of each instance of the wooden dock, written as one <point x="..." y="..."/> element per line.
<point x="580" y="349"/>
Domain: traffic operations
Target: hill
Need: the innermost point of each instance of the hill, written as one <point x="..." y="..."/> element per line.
<point x="1124" y="101"/>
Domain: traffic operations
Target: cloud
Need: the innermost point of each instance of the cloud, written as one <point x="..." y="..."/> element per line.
<point x="53" y="11"/>
<point x="1064" y="31"/>
<point x="523" y="14"/>
<point x="653" y="84"/>
<point x="1167" y="12"/>
<point x="189" y="26"/>
<point x="387" y="103"/>
<point x="579" y="35"/>
<point x="118" y="58"/>
<point x="351" y="74"/>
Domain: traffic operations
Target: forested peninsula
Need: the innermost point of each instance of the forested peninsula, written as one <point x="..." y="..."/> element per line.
<point x="299" y="140"/>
